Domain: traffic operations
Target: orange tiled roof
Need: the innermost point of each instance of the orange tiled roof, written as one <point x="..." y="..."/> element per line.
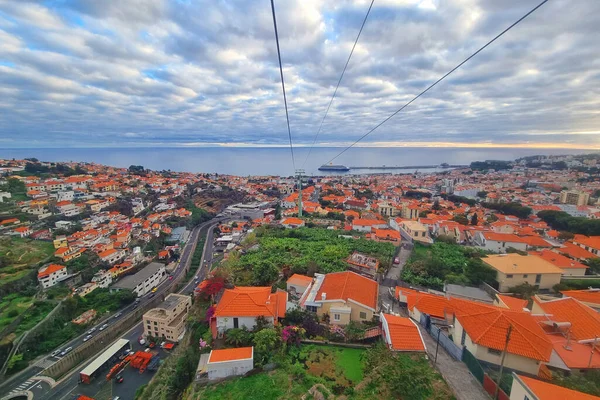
<point x="50" y="269"/>
<point x="349" y="285"/>
<point x="404" y="334"/>
<point x="292" y="221"/>
<point x="513" y="303"/>
<point x="591" y="241"/>
<point x="584" y="295"/>
<point x="245" y="302"/>
<point x="239" y="353"/>
<point x="572" y="250"/>
<point x="585" y="322"/>
<point x="547" y="391"/>
<point x="106" y="253"/>
<point x="298" y="279"/>
<point x="488" y="325"/>
<point x="434" y="305"/>
<point x="558" y="259"/>
<point x="368" y="222"/>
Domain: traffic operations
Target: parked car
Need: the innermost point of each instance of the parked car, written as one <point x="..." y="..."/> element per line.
<point x="55" y="353"/>
<point x="66" y="351"/>
<point x="170" y="277"/>
<point x="88" y="337"/>
<point x="135" y="305"/>
<point x="103" y="327"/>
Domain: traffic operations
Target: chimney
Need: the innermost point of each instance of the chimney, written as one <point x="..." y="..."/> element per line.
<point x="323" y="296"/>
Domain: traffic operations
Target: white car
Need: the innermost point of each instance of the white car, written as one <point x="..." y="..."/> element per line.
<point x="88" y="337"/>
<point x="65" y="351"/>
<point x="91" y="331"/>
<point x="117" y="315"/>
<point x="55" y="353"/>
<point x="103" y="327"/>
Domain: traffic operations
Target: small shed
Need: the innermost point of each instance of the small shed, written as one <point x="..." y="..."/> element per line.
<point x="230" y="362"/>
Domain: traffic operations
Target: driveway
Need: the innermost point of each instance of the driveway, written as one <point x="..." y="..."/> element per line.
<point x="391" y="279"/>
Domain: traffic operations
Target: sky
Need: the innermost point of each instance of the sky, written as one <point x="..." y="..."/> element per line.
<point x="90" y="73"/>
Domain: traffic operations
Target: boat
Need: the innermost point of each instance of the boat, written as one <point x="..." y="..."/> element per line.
<point x="332" y="167"/>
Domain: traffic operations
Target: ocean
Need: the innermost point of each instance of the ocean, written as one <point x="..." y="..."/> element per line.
<point x="244" y="161"/>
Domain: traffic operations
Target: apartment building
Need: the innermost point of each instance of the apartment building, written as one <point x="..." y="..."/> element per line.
<point x="574" y="197"/>
<point x="144" y="280"/>
<point x="168" y="320"/>
<point x="515" y="269"/>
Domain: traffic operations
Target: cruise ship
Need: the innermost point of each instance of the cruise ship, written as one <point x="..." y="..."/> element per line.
<point x="332" y="167"/>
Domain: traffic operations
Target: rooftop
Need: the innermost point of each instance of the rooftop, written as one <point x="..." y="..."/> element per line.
<point x="547" y="391"/>
<point x="403" y="333"/>
<point x="131" y="281"/>
<point x="240" y="353"/>
<point x="518" y="264"/>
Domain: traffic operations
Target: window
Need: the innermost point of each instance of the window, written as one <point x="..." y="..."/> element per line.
<point x="494" y="351"/>
<point x="509" y="276"/>
<point x="311" y="308"/>
<point x="336" y="317"/>
<point x="525" y="275"/>
<point x="362" y="315"/>
<point x="538" y="278"/>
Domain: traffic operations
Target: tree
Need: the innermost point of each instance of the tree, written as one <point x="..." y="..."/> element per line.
<point x="594" y="264"/>
<point x="474" y="219"/>
<point x="524" y="290"/>
<point x="565" y="235"/>
<point x="461" y="219"/>
<point x="237" y="337"/>
<point x="476" y="271"/>
<point x="423" y="214"/>
<point x="266" y="342"/>
<point x="482" y="194"/>
<point x="436" y="206"/>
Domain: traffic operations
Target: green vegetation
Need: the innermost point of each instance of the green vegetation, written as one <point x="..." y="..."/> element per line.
<point x="18" y="256"/>
<point x="578" y="284"/>
<point x="301" y="251"/>
<point x="34" y="315"/>
<point x="16" y="188"/>
<point x="515" y="209"/>
<point x="199" y="215"/>
<point x="496" y="165"/>
<point x="460" y="199"/>
<point x="587" y="383"/>
<point x="349" y="360"/>
<point x="12" y="306"/>
<point x="562" y="221"/>
<point x="444" y="262"/>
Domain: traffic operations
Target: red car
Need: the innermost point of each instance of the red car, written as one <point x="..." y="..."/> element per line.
<point x="119" y="379"/>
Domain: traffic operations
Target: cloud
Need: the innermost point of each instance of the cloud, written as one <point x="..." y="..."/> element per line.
<point x="205" y="73"/>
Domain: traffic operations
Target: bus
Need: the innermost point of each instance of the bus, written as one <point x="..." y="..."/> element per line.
<point x="105" y="360"/>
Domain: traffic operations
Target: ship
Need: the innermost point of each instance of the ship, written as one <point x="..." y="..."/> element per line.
<point x="332" y="167"/>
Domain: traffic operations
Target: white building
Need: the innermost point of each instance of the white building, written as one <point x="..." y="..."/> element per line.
<point x="102" y="278"/>
<point x="230" y="362"/>
<point x="52" y="274"/>
<point x="144" y="280"/>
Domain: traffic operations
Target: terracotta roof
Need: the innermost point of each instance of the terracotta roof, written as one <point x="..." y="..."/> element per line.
<point x="50" y="269"/>
<point x="575" y="355"/>
<point x="387" y="234"/>
<point x="240" y="353"/>
<point x="349" y="285"/>
<point x="404" y="334"/>
<point x="502" y="237"/>
<point x="585" y="322"/>
<point x="591" y="241"/>
<point x="106" y="253"/>
<point x="298" y="279"/>
<point x="488" y="325"/>
<point x="572" y="250"/>
<point x="292" y="221"/>
<point x="558" y="259"/>
<point x="547" y="391"/>
<point x="585" y="295"/>
<point x="434" y="305"/>
<point x="368" y="222"/>
<point x="245" y="301"/>
<point x="512" y="303"/>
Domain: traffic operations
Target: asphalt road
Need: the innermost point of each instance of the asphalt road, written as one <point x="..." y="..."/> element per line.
<point x="27" y="380"/>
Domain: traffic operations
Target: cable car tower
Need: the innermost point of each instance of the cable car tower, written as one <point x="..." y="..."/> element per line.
<point x="299" y="176"/>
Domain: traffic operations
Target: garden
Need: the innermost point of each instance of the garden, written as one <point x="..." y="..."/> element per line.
<point x="303" y="251"/>
<point x="432" y="266"/>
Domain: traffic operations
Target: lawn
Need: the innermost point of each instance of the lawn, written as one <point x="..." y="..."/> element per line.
<point x="18" y="255"/>
<point x="350" y="361"/>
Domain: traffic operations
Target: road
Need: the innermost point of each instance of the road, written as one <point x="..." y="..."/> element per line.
<point x="28" y="379"/>
<point x="391" y="278"/>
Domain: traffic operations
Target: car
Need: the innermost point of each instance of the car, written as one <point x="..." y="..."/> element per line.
<point x="103" y="327"/>
<point x="91" y="331"/>
<point x="147" y="350"/>
<point x="66" y="351"/>
<point x="119" y="379"/>
<point x="154" y="289"/>
<point x="88" y="337"/>
<point x="55" y="353"/>
<point x="117" y="315"/>
<point x="116" y="398"/>
<point x="135" y="305"/>
<point x="152" y="295"/>
<point x="170" y="277"/>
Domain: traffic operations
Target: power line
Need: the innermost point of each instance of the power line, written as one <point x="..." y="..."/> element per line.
<point x="287" y="116"/>
<point x="339" y="81"/>
<point x="440" y="79"/>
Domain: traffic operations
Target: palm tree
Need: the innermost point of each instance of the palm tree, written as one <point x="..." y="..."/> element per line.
<point x="235" y="337"/>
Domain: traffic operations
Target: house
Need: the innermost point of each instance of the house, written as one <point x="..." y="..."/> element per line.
<point x="297" y="284"/>
<point x="168" y="320"/>
<point x="292" y="222"/>
<point x="52" y="274"/>
<point x="401" y="334"/>
<point x="515" y="269"/>
<point x="60" y="241"/>
<point x="85" y="289"/>
<point x="591" y="243"/>
<point x="102" y="278"/>
<point x="499" y="242"/>
<point x="23" y="231"/>
<point x="68" y="253"/>
<point x="363" y="264"/>
<point x="230" y="362"/>
<point x="365" y="225"/>
<point x="436" y="306"/>
<point x="576" y="252"/>
<point x="482" y="329"/>
<point x="526" y="388"/>
<point x="512" y="303"/>
<point x="344" y="296"/>
<point x="584" y="322"/>
<point x="568" y="266"/>
<point x="386" y="236"/>
<point x="413" y="230"/>
<point x="240" y="306"/>
<point x="111" y="256"/>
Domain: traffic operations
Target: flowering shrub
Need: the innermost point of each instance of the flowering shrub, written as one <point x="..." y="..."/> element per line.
<point x="210" y="311"/>
<point x="336" y="333"/>
<point x="202" y="344"/>
<point x="292" y="334"/>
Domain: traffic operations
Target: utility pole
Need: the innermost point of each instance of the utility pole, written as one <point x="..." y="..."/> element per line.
<point x="437" y="346"/>
<point x="508" y="332"/>
<point x="299" y="174"/>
